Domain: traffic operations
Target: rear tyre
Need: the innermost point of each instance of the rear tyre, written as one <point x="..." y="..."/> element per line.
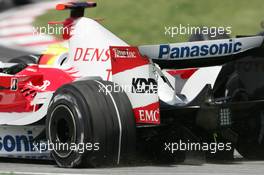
<point x="85" y="112"/>
<point x="250" y="130"/>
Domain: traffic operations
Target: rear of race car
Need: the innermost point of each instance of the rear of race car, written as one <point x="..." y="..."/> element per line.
<point x="109" y="100"/>
<point x="222" y="95"/>
<point x="135" y="103"/>
<point x="199" y="114"/>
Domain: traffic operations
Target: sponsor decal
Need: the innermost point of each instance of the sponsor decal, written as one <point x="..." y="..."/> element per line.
<point x="144" y="85"/>
<point x="17" y="143"/>
<point x="124" y="53"/>
<point x="91" y="54"/>
<point x="14" y="84"/>
<point x="166" y="51"/>
<point x="148" y="114"/>
<point x="125" y="58"/>
<point x="46" y="83"/>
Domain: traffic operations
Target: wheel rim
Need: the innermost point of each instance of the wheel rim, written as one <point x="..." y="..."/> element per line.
<point x="62" y="129"/>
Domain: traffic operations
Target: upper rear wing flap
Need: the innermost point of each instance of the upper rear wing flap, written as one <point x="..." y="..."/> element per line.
<point x="202" y="53"/>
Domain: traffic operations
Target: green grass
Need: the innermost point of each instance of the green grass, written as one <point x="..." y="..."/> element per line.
<point x="143" y="22"/>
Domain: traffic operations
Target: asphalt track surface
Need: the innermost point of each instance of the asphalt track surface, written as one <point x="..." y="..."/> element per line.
<point x="6" y="54"/>
<point x="193" y="165"/>
<point x="237" y="167"/>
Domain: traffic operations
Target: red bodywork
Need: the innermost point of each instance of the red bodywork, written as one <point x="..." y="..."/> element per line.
<point x="18" y="91"/>
<point x="183" y="73"/>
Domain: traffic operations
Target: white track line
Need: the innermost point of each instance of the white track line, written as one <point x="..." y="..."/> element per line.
<point x="27" y="39"/>
<point x="17" y="31"/>
<point x="35" y="173"/>
<point x="16" y="21"/>
<point x="21" y="29"/>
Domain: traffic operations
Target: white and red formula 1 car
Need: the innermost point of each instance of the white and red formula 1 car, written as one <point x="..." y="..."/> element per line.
<point x="108" y="99"/>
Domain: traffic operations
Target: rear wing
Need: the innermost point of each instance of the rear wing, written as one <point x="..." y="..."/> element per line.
<point x="202" y="53"/>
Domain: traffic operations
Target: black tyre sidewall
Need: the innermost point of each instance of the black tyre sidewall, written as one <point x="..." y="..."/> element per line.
<point x="128" y="124"/>
<point x="96" y="119"/>
<point x="77" y="107"/>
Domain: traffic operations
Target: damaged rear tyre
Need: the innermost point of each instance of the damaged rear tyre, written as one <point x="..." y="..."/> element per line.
<point x="97" y="128"/>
